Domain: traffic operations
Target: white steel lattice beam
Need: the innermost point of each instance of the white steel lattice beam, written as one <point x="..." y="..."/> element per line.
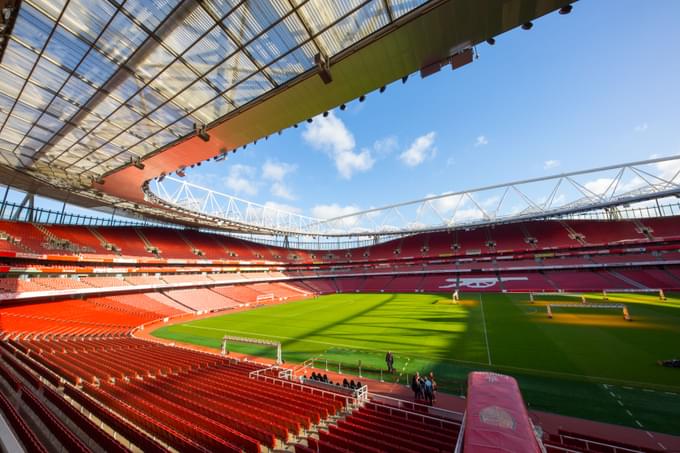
<point x="528" y="199"/>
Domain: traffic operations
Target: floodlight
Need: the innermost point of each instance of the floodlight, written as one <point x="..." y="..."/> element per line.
<point x="566" y="9"/>
<point x="527" y="26"/>
<point x="491" y="41"/>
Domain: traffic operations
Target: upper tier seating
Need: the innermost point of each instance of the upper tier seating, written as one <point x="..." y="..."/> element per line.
<point x="549" y="234"/>
<point x="125" y="239"/>
<point x="206" y="243"/>
<point x="180" y="244"/>
<point x="80" y="236"/>
<point x="509" y="237"/>
<point x="30" y="238"/>
<point x="663" y="228"/>
<point x="603" y="232"/>
<point x="169" y="242"/>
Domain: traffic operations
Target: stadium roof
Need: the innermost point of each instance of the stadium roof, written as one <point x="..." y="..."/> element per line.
<point x="98" y="97"/>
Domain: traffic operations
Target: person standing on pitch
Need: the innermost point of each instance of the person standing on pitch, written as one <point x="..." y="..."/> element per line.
<point x="415" y="386"/>
<point x="389" y="360"/>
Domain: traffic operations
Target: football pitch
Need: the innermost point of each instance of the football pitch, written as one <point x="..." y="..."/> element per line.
<point x="584" y="362"/>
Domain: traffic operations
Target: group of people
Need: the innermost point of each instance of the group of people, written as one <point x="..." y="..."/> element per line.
<point x="324" y="378"/>
<point x="424" y="388"/>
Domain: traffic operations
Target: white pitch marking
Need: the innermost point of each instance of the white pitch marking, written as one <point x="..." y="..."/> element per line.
<point x="629" y="412"/>
<point x="486" y="337"/>
<point x="649" y="434"/>
<point x="637" y="422"/>
<point x="620" y="403"/>
<point x="663" y="447"/>
<point x="612" y="394"/>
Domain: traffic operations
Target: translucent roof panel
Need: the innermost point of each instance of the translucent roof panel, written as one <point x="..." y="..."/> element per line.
<point x="89" y="84"/>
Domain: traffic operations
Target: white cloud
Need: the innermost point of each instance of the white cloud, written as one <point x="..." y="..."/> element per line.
<point x="277" y="171"/>
<point x="331" y="136"/>
<point x="385" y="145"/>
<point x="446" y="205"/>
<point x="669" y="169"/>
<point x="599" y="186"/>
<point x="450" y="162"/>
<point x="202" y="179"/>
<point x="281" y="190"/>
<point x="550" y="164"/>
<point x="241" y="180"/>
<point x="422" y="148"/>
<point x="641" y="127"/>
<point x="602" y="186"/>
<point x="282" y="207"/>
<point x="349" y="162"/>
<point x="331" y="211"/>
<point x="463" y="207"/>
<point x="481" y="141"/>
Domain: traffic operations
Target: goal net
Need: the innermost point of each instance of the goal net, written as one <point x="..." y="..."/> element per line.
<point x="252" y="346"/>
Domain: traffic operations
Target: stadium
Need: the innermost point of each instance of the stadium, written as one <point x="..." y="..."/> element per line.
<point x="160" y="289"/>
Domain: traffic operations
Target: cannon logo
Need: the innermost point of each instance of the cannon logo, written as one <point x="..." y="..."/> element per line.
<point x="479" y="282"/>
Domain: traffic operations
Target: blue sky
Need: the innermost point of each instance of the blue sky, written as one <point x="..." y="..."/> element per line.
<point x="596" y="87"/>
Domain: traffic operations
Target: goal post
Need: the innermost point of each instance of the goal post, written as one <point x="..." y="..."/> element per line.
<point x="230" y="339"/>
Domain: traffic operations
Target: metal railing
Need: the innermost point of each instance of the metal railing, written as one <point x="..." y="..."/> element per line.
<point x="348" y="401"/>
<point x="407" y="409"/>
<point x="15" y="212"/>
<point x="593" y="445"/>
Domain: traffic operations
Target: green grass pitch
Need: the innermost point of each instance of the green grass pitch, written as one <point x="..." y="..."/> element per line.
<point x="586" y="363"/>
